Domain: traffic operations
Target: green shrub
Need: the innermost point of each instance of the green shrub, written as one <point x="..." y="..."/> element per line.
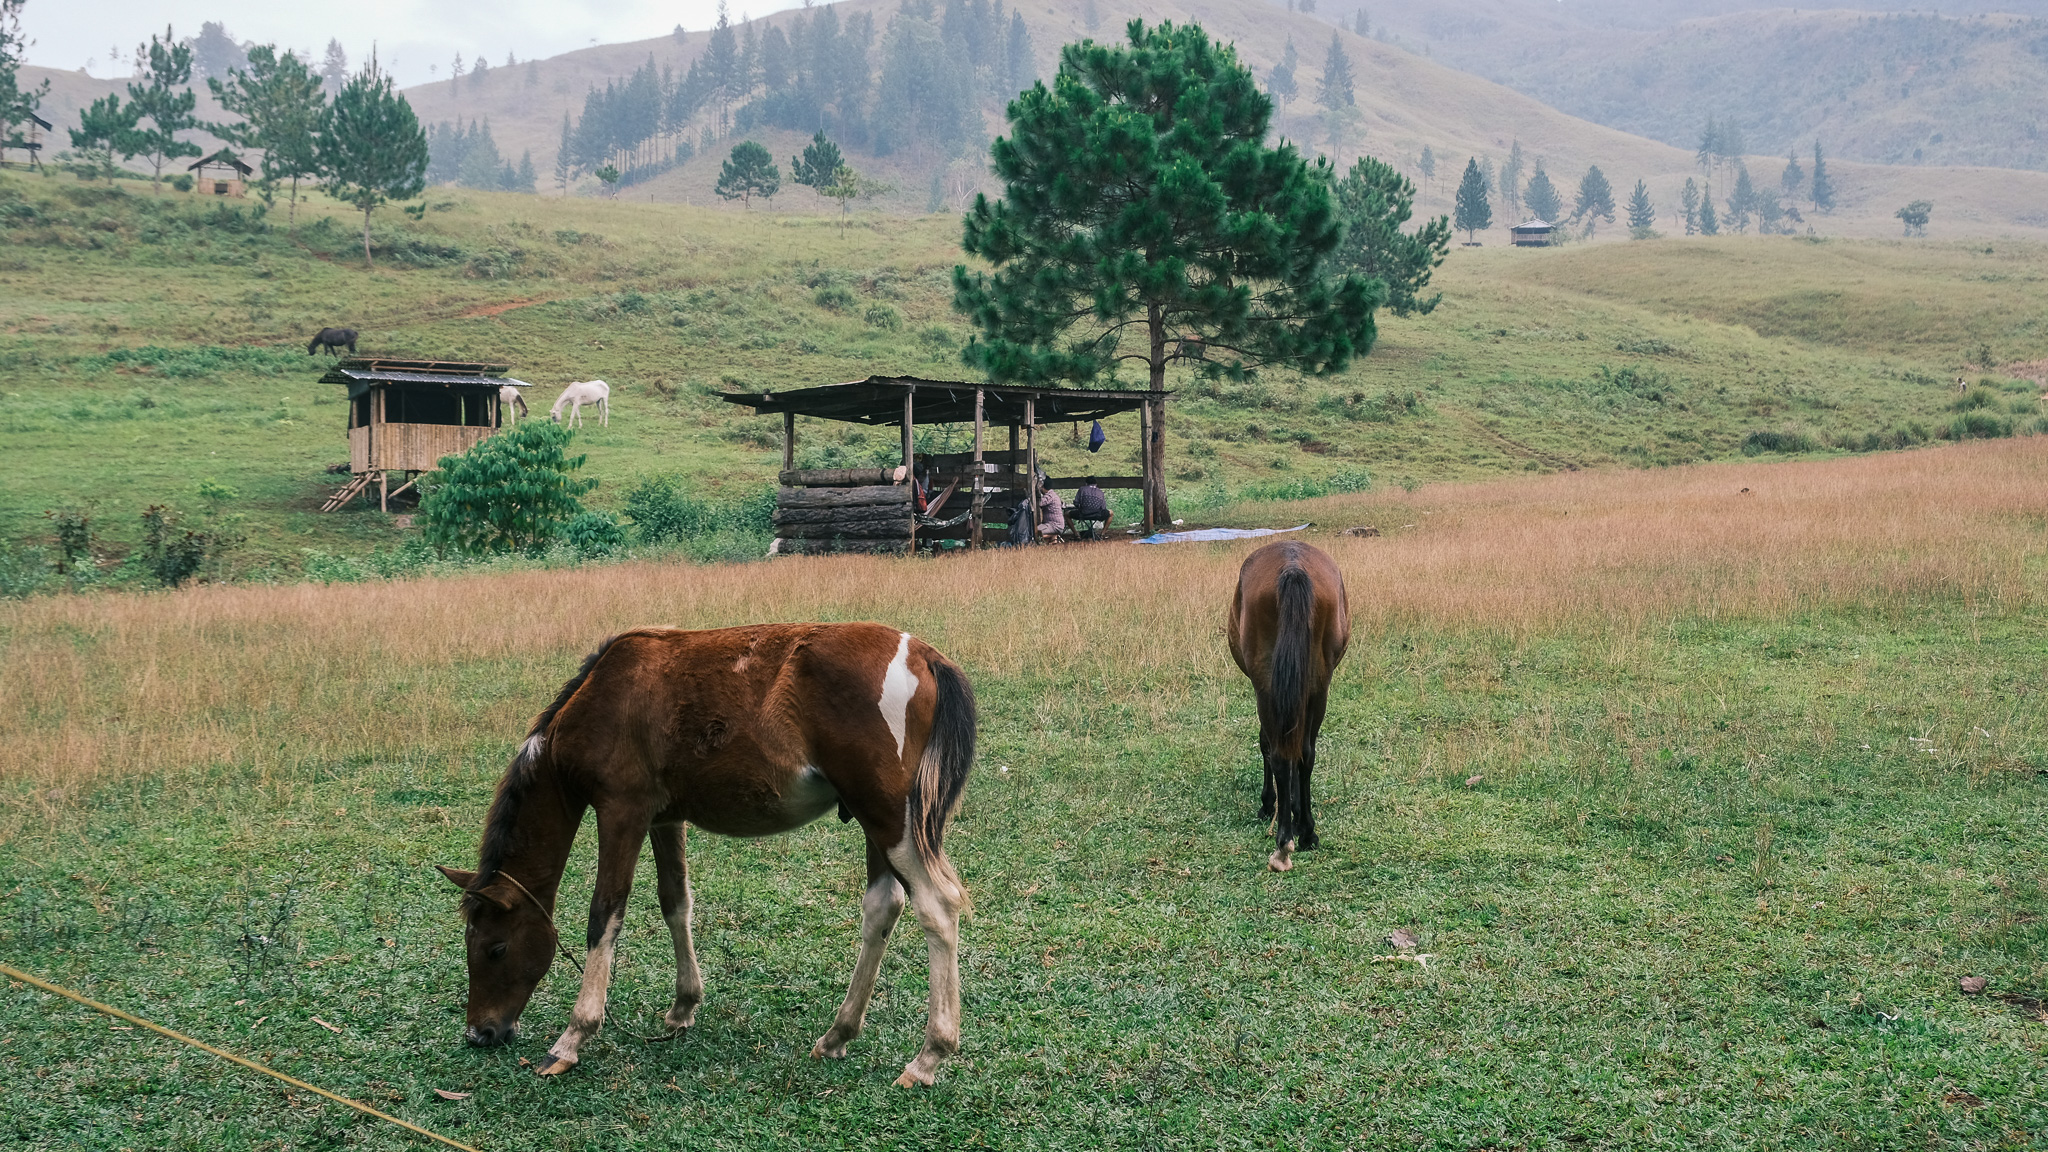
<point x="1978" y="425"/>
<point x="664" y="510"/>
<point x="173" y="554"/>
<point x="23" y="571"/>
<point x="883" y="316"/>
<point x="1975" y="398"/>
<point x="593" y="534"/>
<point x="511" y="493"/>
<point x="834" y="297"/>
<point x="1757" y="443"/>
<point x="182" y="181"/>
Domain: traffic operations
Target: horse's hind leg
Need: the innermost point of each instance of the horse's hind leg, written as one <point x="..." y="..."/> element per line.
<point x="938" y="911"/>
<point x="1266" y="795"/>
<point x="1305" y="819"/>
<point x="672" y="877"/>
<point x="879" y="908"/>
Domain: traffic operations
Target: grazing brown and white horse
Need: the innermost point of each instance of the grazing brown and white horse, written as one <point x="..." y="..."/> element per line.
<point x="1289" y="624"/>
<point x="744" y="732"/>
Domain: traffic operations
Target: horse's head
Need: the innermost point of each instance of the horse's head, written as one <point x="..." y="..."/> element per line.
<point x="510" y="940"/>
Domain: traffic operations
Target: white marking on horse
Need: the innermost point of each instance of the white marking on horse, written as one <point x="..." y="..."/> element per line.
<point x="532" y="748"/>
<point x="898" y="686"/>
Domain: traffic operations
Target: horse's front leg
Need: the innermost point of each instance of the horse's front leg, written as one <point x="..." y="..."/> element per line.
<point x="619" y="834"/>
<point x="1266" y="795"/>
<point x="879" y="908"/>
<point x="672" y="879"/>
<point x="1305" y="819"/>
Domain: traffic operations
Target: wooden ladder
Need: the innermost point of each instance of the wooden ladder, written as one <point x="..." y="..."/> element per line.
<point x="349" y="492"/>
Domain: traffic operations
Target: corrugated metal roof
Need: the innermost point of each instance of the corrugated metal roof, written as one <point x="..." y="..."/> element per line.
<point x="352" y="375"/>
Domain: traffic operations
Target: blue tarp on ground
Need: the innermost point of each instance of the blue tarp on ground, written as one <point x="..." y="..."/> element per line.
<point x="1215" y="534"/>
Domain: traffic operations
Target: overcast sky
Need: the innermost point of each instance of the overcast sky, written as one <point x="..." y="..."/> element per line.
<point x="410" y="35"/>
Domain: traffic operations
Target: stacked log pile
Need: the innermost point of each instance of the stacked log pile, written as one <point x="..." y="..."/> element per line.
<point x="842" y="510"/>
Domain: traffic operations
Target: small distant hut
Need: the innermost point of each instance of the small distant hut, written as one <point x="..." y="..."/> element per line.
<point x="973" y="496"/>
<point x="404" y="415"/>
<point x="221" y="174"/>
<point x="1531" y="234"/>
<point x="25" y="137"/>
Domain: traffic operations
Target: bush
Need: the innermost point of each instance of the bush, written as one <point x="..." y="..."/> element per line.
<point x="834" y="297"/>
<point x="182" y="181"/>
<point x="23" y="571"/>
<point x="1978" y="425"/>
<point x="1757" y="443"/>
<point x="883" y="316"/>
<point x="172" y="554"/>
<point x="664" y="510"/>
<point x="1975" y="398"/>
<point x="593" y="534"/>
<point x="511" y="493"/>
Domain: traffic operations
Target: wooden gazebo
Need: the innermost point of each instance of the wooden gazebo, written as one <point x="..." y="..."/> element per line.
<point x="404" y="415"/>
<point x="221" y="174"/>
<point x="871" y="510"/>
<point x="1531" y="234"/>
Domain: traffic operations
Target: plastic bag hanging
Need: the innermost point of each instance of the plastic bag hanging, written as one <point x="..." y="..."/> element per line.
<point x="1095" y="437"/>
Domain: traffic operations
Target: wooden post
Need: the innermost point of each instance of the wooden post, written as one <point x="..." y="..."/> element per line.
<point x="908" y="440"/>
<point x="384" y="491"/>
<point x="1031" y="464"/>
<point x="1145" y="455"/>
<point x="788" y="441"/>
<point x="974" y="519"/>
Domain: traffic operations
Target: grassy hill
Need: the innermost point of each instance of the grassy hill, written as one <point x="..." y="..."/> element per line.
<point x="153" y="347"/>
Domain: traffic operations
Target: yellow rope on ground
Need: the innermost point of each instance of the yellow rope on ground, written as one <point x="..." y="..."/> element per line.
<point x="68" y="994"/>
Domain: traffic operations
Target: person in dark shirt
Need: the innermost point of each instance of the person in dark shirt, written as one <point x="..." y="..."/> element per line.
<point x="1090" y="505"/>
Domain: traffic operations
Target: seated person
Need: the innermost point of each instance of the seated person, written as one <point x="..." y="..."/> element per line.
<point x="1052" y="515"/>
<point x="1091" y="505"/>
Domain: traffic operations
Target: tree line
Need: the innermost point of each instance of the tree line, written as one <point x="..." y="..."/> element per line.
<point x="1746" y="204"/>
<point x="918" y="86"/>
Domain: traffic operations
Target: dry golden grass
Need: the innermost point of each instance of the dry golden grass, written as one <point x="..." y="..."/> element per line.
<point x="282" y="679"/>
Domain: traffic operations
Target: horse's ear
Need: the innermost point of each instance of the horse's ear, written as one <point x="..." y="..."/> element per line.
<point x="457" y="876"/>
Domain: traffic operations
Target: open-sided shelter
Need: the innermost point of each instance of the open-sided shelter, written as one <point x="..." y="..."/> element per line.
<point x="404" y="415"/>
<point x="221" y="174"/>
<point x="871" y="509"/>
<point x="26" y="136"/>
<point x="1530" y="234"/>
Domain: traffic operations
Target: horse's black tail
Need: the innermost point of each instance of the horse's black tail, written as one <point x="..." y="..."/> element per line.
<point x="1288" y="673"/>
<point x="519" y="775"/>
<point x="942" y="772"/>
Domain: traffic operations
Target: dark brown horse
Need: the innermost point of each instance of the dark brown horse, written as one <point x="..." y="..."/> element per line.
<point x="743" y="732"/>
<point x="331" y="338"/>
<point x="1288" y="627"/>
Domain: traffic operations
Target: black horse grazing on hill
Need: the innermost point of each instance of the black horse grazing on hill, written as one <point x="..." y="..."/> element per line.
<point x="1289" y="625"/>
<point x="332" y="338"/>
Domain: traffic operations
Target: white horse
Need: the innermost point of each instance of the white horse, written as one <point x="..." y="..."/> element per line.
<point x="512" y="404"/>
<point x="577" y="395"/>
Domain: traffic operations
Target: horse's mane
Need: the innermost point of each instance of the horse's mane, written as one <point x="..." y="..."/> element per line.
<point x="520" y="775"/>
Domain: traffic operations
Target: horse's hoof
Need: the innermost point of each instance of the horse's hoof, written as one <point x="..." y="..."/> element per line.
<point x="823" y="1051"/>
<point x="1309" y="841"/>
<point x="912" y="1078"/>
<point x="554" y="1066"/>
<point x="1265" y="814"/>
<point x="1279" y="862"/>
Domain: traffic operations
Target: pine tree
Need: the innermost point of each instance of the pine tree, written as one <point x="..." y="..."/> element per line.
<point x="1334" y="91"/>
<point x="1021" y="58"/>
<point x="1742" y="200"/>
<point x="1642" y="215"/>
<point x="105" y="129"/>
<point x="818" y="168"/>
<point x="1280" y="82"/>
<point x="1360" y="24"/>
<point x="215" y="53"/>
<point x="17" y="105"/>
<point x="722" y="67"/>
<point x="1374" y="202"/>
<point x="1119" y="239"/>
<point x="455" y="71"/>
<point x="370" y="146"/>
<point x="1511" y="182"/>
<point x="747" y="173"/>
<point x="1710" y="225"/>
<point x="280" y="101"/>
<point x="562" y="156"/>
<point x="1794" y="175"/>
<point x="1689" y="203"/>
<point x="1428" y="166"/>
<point x="1542" y="198"/>
<point x="1596" y="199"/>
<point x="334" y="69"/>
<point x="481" y="164"/>
<point x="1471" y="211"/>
<point x="1822" y="189"/>
<point x="166" y="103"/>
<point x="525" y="179"/>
